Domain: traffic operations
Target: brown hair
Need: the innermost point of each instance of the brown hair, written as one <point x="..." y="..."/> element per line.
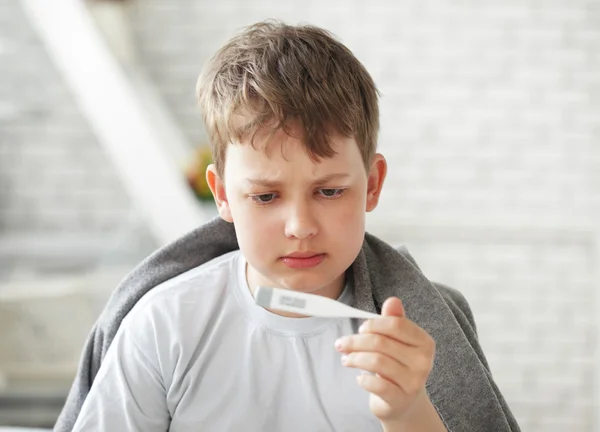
<point x="278" y="73"/>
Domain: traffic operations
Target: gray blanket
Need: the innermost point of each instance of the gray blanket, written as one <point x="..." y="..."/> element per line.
<point x="460" y="385"/>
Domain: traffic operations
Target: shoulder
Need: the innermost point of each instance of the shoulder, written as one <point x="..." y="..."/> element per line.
<point x="455" y="300"/>
<point x="458" y="305"/>
<point x="178" y="307"/>
<point x="198" y="285"/>
<point x="167" y="322"/>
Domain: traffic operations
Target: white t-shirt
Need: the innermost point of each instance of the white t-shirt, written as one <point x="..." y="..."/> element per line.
<point x="197" y="354"/>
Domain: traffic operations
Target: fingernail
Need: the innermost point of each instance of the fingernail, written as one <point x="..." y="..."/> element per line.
<point x="362" y="328"/>
<point x="338" y="344"/>
<point x="344" y="359"/>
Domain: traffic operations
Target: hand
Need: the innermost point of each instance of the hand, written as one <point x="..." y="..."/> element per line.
<point x="399" y="353"/>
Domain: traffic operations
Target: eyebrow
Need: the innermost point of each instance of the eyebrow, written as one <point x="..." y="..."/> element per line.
<point x="265" y="182"/>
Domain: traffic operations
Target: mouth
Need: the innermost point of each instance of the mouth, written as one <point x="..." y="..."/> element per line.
<point x="298" y="260"/>
<point x="307" y="254"/>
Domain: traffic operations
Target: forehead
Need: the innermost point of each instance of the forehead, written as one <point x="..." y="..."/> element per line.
<point x="286" y="155"/>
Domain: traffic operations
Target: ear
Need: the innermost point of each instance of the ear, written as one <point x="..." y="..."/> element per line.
<point x="375" y="181"/>
<point x="217" y="187"/>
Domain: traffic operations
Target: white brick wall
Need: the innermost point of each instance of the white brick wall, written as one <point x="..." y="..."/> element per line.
<point x="488" y="124"/>
<point x="62" y="206"/>
<point x="54" y="177"/>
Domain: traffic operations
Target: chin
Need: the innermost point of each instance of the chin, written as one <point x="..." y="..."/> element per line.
<point x="307" y="283"/>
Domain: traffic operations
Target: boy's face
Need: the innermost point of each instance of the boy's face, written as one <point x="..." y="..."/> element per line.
<point x="300" y="224"/>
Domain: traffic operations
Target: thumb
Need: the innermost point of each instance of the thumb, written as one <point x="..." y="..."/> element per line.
<point x="393" y="307"/>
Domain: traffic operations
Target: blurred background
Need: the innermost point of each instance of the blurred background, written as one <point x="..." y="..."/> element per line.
<point x="490" y="124"/>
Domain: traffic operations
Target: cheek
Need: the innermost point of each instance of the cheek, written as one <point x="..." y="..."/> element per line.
<point x="352" y="211"/>
<point x="346" y="224"/>
<point x="255" y="231"/>
<point x="347" y="218"/>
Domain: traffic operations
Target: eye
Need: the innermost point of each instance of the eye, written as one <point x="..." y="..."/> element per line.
<point x="331" y="193"/>
<point x="263" y="198"/>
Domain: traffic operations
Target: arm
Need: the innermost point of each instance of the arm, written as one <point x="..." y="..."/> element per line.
<point x="128" y="392"/>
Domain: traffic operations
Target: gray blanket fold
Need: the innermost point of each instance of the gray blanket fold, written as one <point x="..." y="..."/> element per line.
<point x="460" y="385"/>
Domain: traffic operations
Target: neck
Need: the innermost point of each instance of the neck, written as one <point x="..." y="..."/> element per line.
<point x="331" y="290"/>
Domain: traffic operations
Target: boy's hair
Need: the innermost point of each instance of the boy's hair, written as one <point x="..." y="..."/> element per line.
<point x="275" y="74"/>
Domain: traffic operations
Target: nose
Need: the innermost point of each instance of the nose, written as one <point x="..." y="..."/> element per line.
<point x="301" y="223"/>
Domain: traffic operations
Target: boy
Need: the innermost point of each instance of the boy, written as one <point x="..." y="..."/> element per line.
<point x="293" y="119"/>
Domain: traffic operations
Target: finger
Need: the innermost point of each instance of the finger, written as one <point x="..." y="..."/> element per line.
<point x="417" y="359"/>
<point x="400" y="328"/>
<point x="393" y="307"/>
<point x="387" y="368"/>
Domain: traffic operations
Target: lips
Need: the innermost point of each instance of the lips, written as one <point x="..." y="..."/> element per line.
<point x="307" y="254"/>
<point x="299" y="260"/>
